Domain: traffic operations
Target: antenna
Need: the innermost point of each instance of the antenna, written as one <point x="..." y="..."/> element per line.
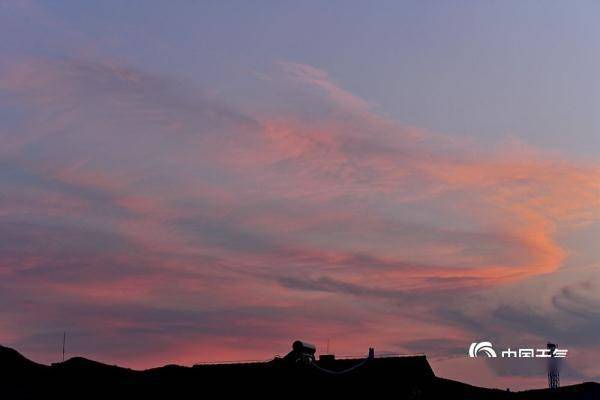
<point x="327" y="346"/>
<point x="64" y="341"/>
<point x="553" y="375"/>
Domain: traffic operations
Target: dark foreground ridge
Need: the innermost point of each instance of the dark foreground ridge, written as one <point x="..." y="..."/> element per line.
<point x="297" y="375"/>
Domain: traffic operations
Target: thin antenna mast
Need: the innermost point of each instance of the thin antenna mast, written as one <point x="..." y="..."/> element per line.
<point x="553" y="368"/>
<point x="64" y="340"/>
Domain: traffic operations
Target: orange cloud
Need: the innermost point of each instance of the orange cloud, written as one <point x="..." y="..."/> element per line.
<point x="176" y="218"/>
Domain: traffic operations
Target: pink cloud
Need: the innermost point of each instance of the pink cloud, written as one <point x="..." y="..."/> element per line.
<point x="155" y="205"/>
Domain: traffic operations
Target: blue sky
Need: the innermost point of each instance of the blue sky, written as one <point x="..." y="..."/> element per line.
<point x="466" y="68"/>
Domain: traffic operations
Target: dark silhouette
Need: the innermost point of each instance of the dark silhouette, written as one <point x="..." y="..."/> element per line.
<point x="298" y="374"/>
<point x="553" y="371"/>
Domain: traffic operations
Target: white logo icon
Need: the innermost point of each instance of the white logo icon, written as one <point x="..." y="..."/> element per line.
<point x="484" y="347"/>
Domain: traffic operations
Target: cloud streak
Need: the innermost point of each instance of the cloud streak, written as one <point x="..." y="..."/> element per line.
<point x="143" y="207"/>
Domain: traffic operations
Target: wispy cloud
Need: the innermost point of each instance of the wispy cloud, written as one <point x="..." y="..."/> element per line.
<point x="145" y="205"/>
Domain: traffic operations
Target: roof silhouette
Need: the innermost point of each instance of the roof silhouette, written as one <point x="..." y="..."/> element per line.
<point x="408" y="377"/>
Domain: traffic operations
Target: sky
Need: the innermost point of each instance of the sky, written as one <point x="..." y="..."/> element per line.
<point x="193" y="181"/>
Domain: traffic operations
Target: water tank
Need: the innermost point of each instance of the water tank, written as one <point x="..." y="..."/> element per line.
<point x="304" y="347"/>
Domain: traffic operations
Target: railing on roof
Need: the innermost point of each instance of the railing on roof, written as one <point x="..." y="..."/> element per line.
<point x="381" y="355"/>
<point x="337" y="357"/>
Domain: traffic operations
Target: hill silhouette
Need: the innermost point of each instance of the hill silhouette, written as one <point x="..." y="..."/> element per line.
<point x="16" y="361"/>
<point x="288" y="377"/>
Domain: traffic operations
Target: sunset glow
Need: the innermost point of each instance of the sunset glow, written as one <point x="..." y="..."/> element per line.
<point x="162" y="209"/>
